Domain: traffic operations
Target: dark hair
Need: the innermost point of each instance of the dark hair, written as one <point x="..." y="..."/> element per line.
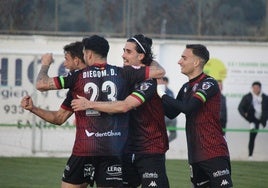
<point x="75" y="49"/>
<point x="97" y="44"/>
<point x="256" y="83"/>
<point x="143" y="45"/>
<point x="200" y="51"/>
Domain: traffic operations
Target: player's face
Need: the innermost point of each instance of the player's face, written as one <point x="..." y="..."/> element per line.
<point x="256" y="89"/>
<point x="69" y="62"/>
<point x="187" y="62"/>
<point x="130" y="55"/>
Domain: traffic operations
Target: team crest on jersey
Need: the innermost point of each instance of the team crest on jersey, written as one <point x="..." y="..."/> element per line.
<point x="144" y="86"/>
<point x="206" y="85"/>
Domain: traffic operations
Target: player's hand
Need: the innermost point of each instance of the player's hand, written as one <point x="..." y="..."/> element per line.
<point x="80" y="103"/>
<point x="47" y="59"/>
<point x="161" y="90"/>
<point x="27" y="103"/>
<point x="161" y="87"/>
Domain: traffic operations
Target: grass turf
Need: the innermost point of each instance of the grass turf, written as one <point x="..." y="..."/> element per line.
<point x="33" y="172"/>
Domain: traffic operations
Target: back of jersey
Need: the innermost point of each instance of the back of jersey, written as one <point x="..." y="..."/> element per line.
<point x="98" y="133"/>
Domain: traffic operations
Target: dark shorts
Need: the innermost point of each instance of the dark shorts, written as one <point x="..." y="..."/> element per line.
<point x="214" y="172"/>
<point x="147" y="170"/>
<point x="106" y="171"/>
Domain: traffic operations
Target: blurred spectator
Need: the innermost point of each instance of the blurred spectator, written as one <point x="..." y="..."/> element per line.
<point x="254" y="108"/>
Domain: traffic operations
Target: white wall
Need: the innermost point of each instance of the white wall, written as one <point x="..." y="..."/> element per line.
<point x="245" y="63"/>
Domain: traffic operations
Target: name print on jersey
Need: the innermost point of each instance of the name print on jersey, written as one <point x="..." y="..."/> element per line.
<point x="98" y="73"/>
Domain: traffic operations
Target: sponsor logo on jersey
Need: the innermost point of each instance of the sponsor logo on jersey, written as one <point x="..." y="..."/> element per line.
<point x="105" y="134"/>
<point x="221" y="173"/>
<point x="88" y="133"/>
<point x="89" y="170"/>
<point x="224" y="182"/>
<point x="114" y="170"/>
<point x="150" y="175"/>
<point x="152" y="184"/>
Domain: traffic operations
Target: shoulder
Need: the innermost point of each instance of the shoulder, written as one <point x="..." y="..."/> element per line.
<point x="209" y="83"/>
<point x="248" y="95"/>
<point x="210" y="80"/>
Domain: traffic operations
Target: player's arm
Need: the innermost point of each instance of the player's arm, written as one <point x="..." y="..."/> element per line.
<point x="44" y="82"/>
<point x="109" y="107"/>
<point x="156" y="70"/>
<point x="173" y="107"/>
<point x="54" y="117"/>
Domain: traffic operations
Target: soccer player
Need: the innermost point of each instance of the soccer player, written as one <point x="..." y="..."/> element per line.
<point x="144" y="156"/>
<point x="100" y="137"/>
<point x="199" y="100"/>
<point x="74" y="60"/>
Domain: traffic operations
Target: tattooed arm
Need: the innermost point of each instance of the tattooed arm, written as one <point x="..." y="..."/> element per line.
<point x="44" y="82"/>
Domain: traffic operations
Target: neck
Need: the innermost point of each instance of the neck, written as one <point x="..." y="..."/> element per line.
<point x="97" y="60"/>
<point x="102" y="61"/>
<point x="194" y="74"/>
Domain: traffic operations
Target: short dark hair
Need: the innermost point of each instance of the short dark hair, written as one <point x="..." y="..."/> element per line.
<point x="75" y="49"/>
<point x="200" y="51"/>
<point x="256" y="83"/>
<point x="97" y="44"/>
<point x="143" y="45"/>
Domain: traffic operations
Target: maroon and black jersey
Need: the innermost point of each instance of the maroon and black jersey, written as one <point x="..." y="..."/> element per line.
<point x="99" y="133"/>
<point x="147" y="131"/>
<point x="200" y="99"/>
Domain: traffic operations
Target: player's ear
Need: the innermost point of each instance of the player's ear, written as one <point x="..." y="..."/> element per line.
<point x="141" y="56"/>
<point x="197" y="62"/>
<point x="76" y="61"/>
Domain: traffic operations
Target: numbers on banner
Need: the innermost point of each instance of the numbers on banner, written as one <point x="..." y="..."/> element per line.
<point x="13" y="109"/>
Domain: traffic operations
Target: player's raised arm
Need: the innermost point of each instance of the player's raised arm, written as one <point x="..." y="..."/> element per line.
<point x="44" y="82"/>
<point x="54" y="117"/>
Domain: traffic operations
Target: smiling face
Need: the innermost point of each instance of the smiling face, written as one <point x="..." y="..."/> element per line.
<point x="187" y="62"/>
<point x="131" y="56"/>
